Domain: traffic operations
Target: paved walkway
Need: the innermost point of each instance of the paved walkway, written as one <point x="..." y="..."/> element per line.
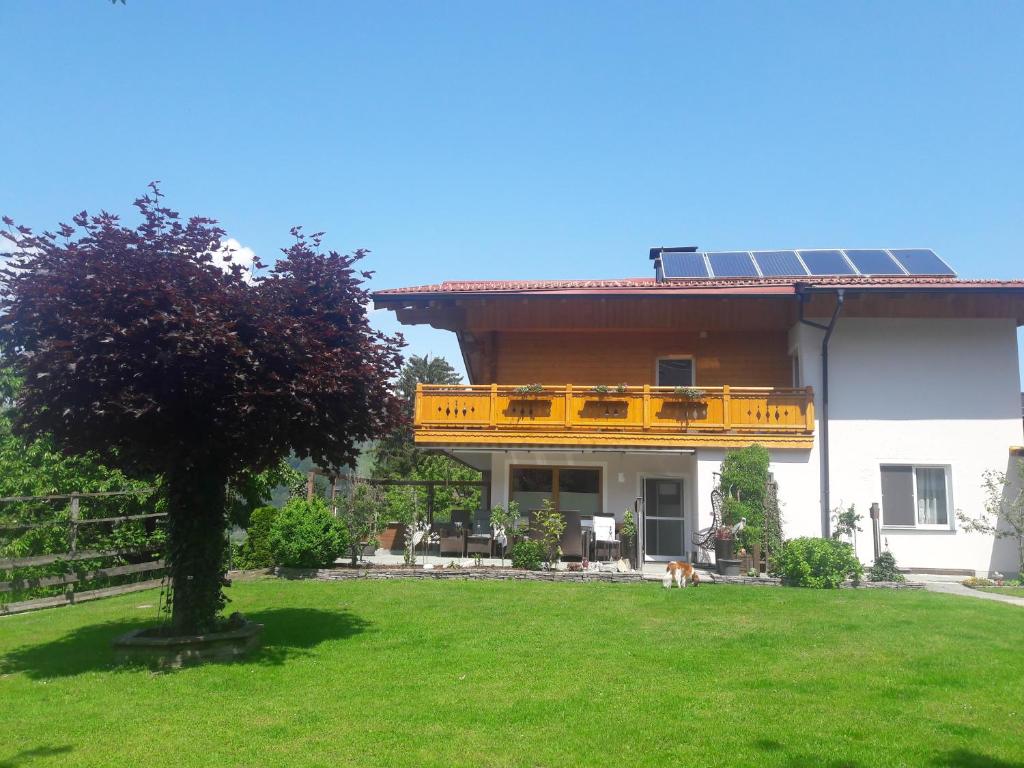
<point x="950" y="587"/>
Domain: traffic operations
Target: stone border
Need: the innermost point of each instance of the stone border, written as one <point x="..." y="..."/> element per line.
<point x="464" y="574"/>
<point x="771" y="581"/>
<point x="173" y="652"/>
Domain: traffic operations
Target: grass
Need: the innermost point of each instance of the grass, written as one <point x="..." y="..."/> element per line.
<point x="421" y="673"/>
<point x="1011" y="591"/>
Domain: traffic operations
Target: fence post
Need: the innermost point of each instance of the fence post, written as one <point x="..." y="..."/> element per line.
<point x="69" y="589"/>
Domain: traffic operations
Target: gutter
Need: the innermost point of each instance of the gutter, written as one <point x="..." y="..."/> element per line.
<point x="826" y="505"/>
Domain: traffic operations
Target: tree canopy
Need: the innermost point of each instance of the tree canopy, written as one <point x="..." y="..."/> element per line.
<point x="136" y="346"/>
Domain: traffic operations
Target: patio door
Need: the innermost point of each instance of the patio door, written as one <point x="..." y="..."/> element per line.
<point x="664" y="528"/>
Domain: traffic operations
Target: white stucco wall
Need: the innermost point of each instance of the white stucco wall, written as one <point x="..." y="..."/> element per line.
<point x="911" y="391"/>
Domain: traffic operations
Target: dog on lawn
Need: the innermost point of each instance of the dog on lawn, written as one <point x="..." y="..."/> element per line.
<point x="680" y="574"/>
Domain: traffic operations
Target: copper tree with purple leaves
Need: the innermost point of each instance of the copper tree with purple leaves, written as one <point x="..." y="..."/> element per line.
<point x="145" y="347"/>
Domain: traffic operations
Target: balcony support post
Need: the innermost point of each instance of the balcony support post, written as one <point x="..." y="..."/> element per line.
<point x="726" y="408"/>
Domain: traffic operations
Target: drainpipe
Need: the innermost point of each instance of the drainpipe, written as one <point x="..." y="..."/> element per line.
<point x="826" y="505"/>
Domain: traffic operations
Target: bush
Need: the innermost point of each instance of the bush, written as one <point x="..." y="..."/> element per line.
<point x="304" y="534"/>
<point x="744" y="481"/>
<point x="884" y="569"/>
<point x="817" y="563"/>
<point x="527" y="554"/>
<point x="255" y="551"/>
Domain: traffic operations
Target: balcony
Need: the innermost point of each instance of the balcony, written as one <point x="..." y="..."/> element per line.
<point x="577" y="415"/>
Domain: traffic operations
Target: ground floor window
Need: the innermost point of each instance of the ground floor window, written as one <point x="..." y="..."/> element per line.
<point x="915" y="496"/>
<point x="571" y="489"/>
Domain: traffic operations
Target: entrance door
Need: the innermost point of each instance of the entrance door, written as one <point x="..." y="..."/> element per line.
<point x="663" y="518"/>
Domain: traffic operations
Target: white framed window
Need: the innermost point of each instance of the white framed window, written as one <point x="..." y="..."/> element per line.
<point x="675" y="371"/>
<point x="916" y="496"/>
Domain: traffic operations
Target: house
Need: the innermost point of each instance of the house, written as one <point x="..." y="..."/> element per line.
<point x="871" y="375"/>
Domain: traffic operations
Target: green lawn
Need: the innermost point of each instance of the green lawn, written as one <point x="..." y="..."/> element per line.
<point x="1011" y="591"/>
<point x="422" y="673"/>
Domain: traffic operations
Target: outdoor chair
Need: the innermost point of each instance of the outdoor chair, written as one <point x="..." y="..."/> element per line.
<point x="451" y="539"/>
<point x="572" y="539"/>
<point x="480" y="540"/>
<point x="604" y="534"/>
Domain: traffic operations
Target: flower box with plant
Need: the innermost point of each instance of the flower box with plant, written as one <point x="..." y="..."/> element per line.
<point x="604" y="389"/>
<point x="693" y="394"/>
<point x="527" y="390"/>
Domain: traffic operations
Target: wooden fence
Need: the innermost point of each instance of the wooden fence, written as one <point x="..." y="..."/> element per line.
<point x="82" y="571"/>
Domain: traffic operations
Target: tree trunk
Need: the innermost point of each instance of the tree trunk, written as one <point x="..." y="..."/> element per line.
<point x="196" y="521"/>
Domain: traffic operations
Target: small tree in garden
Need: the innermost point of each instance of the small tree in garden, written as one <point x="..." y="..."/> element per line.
<point x="1003" y="517"/>
<point x="359" y="508"/>
<point x="845" y="523"/>
<point x="550" y="525"/>
<point x="505" y="522"/>
<point x="137" y="347"/>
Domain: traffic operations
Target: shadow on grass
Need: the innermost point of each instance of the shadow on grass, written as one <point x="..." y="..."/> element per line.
<point x="964" y="758"/>
<point x="27" y="755"/>
<point x="288" y="632"/>
<point x="958" y="758"/>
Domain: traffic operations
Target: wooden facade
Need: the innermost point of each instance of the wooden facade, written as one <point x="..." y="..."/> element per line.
<point x="574" y="341"/>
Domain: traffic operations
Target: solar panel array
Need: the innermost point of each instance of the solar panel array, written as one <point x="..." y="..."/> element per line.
<point x="820" y="262"/>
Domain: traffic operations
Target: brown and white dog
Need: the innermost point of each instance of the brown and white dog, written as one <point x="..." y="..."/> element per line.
<point x="679" y="573"/>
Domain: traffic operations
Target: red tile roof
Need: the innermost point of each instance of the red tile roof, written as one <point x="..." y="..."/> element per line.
<point x="703" y="285"/>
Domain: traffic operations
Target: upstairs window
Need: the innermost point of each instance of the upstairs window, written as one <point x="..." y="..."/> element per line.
<point x="915" y="496"/>
<point x="675" y="372"/>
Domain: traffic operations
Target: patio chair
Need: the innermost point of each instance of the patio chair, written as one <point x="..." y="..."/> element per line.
<point x="604" y="534"/>
<point x="572" y="539"/>
<point x="480" y="540"/>
<point x="452" y="539"/>
<point x="704" y="539"/>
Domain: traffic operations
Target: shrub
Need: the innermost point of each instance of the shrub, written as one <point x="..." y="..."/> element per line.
<point x="549" y="524"/>
<point x="255" y="551"/>
<point x="744" y="482"/>
<point x="304" y="534"/>
<point x="527" y="554"/>
<point x="817" y="563"/>
<point x="884" y="569"/>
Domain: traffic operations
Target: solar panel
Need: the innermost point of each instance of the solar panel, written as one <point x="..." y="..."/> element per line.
<point x="826" y="263"/>
<point x="921" y="261"/>
<point x="732" y="264"/>
<point x="779" y="264"/>
<point x="683" y="264"/>
<point x="873" y="261"/>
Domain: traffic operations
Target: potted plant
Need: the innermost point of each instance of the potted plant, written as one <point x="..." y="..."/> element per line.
<point x="725" y="540"/>
<point x="693" y="394"/>
<point x="528" y="389"/>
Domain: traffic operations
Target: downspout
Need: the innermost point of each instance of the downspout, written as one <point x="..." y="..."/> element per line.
<point x="826" y="505"/>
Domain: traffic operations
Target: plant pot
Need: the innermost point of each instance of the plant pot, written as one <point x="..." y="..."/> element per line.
<point x="727" y="567"/>
<point x="724" y="549"/>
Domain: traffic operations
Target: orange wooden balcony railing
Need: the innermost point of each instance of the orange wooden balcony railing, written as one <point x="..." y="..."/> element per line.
<point x="533" y="415"/>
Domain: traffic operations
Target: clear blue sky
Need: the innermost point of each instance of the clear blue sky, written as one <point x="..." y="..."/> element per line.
<point x="528" y="139"/>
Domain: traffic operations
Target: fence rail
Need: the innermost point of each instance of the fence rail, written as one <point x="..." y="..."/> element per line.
<point x="94" y="579"/>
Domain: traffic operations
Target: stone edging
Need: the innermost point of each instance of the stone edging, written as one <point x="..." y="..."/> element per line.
<point x="465" y="574"/>
<point x="771" y="581"/>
